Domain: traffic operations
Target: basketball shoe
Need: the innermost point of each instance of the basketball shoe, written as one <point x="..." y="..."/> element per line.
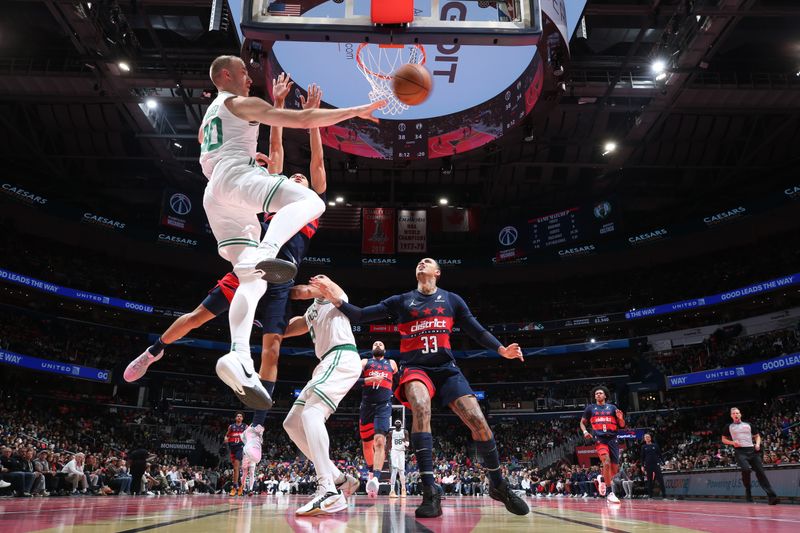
<point x="612" y="498"/>
<point x="138" y="367"/>
<point x="601" y="486"/>
<point x="323" y="502"/>
<point x="514" y="504"/>
<point x="252" y="438"/>
<point x="347" y="484"/>
<point x="431" y="505"/>
<point x="373" y="485"/>
<point x="236" y="370"/>
<point x="265" y="263"/>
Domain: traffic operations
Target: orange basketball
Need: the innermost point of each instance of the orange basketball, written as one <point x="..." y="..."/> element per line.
<point x="411" y="84"/>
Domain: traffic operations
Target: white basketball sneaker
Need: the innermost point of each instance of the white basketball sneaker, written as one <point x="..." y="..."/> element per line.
<point x="323" y="502"/>
<point x="251" y="437"/>
<point x="373" y="485"/>
<point x="612" y="498"/>
<point x="236" y="370"/>
<point x="601" y="486"/>
<point x="138" y="367"/>
<point x="348" y="485"/>
<point x="264" y="262"/>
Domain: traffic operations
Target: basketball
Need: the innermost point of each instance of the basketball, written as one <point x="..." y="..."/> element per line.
<point x="412" y="84"/>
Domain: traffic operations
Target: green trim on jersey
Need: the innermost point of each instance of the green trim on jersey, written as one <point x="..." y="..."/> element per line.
<point x="241" y="241"/>
<point x="271" y="193"/>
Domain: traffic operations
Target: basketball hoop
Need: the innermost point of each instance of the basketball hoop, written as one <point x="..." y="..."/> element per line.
<point x="377" y="62"/>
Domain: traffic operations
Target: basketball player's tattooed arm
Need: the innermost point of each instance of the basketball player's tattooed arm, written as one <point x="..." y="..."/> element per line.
<point x="280" y="89"/>
<point x="468" y="410"/>
<point x="474" y="329"/>
<point x="319" y="182"/>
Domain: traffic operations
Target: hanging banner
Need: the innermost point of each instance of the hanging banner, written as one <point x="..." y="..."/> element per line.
<point x="54" y="367"/>
<point x="377" y="231"/>
<point x="412" y="236"/>
<point x="182" y="211"/>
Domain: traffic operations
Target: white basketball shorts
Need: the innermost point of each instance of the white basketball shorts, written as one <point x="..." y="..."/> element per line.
<point x="333" y="378"/>
<point x="398" y="458"/>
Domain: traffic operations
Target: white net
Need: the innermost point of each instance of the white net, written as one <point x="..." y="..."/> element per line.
<point x="377" y="62"/>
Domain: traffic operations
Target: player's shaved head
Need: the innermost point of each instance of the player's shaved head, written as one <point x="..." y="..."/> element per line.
<point x="219" y="64"/>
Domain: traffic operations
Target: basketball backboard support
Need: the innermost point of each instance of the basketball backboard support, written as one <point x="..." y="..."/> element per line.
<point x="503" y="22"/>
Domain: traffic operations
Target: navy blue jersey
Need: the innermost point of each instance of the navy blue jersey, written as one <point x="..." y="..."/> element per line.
<point x="603" y="419"/>
<point x="295" y="249"/>
<point x="379" y="392"/>
<point x="425" y="323"/>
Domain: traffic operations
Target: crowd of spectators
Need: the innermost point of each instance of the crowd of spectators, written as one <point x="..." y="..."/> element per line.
<point x="719" y="350"/>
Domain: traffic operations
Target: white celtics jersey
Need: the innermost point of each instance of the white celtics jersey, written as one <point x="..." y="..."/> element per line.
<point x="327" y="326"/>
<point x="226" y="137"/>
<point x="398" y="440"/>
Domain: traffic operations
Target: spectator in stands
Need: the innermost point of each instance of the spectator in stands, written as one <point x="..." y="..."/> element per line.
<point x="76" y="478"/>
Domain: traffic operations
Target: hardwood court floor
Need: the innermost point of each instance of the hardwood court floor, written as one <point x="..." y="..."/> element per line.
<point x="193" y="514"/>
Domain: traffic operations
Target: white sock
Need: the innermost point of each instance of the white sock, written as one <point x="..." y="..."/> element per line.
<point x="243" y="311"/>
<point x="314" y="418"/>
<point x="293" y="424"/>
<point x="294" y="207"/>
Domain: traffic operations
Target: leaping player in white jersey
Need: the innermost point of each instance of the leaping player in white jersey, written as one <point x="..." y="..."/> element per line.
<point x="237" y="190"/>
<point x="400" y="440"/>
<point x="338" y="370"/>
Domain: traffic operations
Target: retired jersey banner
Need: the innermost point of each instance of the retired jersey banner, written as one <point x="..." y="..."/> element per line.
<point x="377" y="231"/>
<point x="412" y="234"/>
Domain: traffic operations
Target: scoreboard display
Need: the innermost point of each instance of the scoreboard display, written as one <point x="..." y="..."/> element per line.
<point x="571" y="225"/>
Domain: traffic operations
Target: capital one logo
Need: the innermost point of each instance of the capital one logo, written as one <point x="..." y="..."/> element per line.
<point x="180" y="203"/>
<point x="508" y="236"/>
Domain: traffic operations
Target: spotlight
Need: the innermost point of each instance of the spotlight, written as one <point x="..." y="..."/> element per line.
<point x="592" y="340"/>
<point x="442" y="201"/>
<point x="661" y="76"/>
<point x="124" y="66"/>
<point x="339" y="199"/>
<point x="151" y="103"/>
<point x="658" y="66"/>
<point x="177" y="145"/>
<point x="609" y="147"/>
<point x="331" y="203"/>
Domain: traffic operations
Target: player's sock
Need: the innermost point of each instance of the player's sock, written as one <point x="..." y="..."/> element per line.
<point x="319" y="445"/>
<point x="377" y="473"/>
<point x="491" y="460"/>
<point x="243" y="311"/>
<point x="294" y="207"/>
<point x="260" y="417"/>
<point x="157" y="346"/>
<point x="423" y="449"/>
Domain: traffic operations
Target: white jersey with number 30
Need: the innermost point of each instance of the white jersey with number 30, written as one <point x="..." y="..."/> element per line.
<point x="328" y="326"/>
<point x="227" y="139"/>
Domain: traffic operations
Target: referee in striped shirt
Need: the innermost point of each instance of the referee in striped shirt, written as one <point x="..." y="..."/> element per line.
<point x="740" y="435"/>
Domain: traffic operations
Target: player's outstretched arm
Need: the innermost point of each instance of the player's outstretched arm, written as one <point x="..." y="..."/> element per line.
<point x="357" y="315"/>
<point x="255" y="109"/>
<point x="319" y="179"/>
<point x="280" y="89"/>
<point x="480" y="334"/>
<point x="297" y="326"/>
<point x="304" y="292"/>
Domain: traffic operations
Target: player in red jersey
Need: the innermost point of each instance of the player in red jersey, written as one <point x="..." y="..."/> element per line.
<point x="605" y="420"/>
<point x="233" y="438"/>
<point x="425" y="319"/>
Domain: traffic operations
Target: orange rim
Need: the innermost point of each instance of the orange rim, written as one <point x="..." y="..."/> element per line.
<point x="378" y="74"/>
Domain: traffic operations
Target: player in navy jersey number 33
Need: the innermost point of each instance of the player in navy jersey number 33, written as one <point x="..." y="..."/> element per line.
<point x="605" y="420"/>
<point x="425" y="318"/>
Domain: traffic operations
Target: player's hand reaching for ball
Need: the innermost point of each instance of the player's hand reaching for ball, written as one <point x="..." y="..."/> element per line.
<point x="280" y="88"/>
<point x="314" y="97"/>
<point x="512" y="351"/>
<point x="366" y="111"/>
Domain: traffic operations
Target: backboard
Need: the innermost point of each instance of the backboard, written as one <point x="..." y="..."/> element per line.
<point x="503" y="22"/>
